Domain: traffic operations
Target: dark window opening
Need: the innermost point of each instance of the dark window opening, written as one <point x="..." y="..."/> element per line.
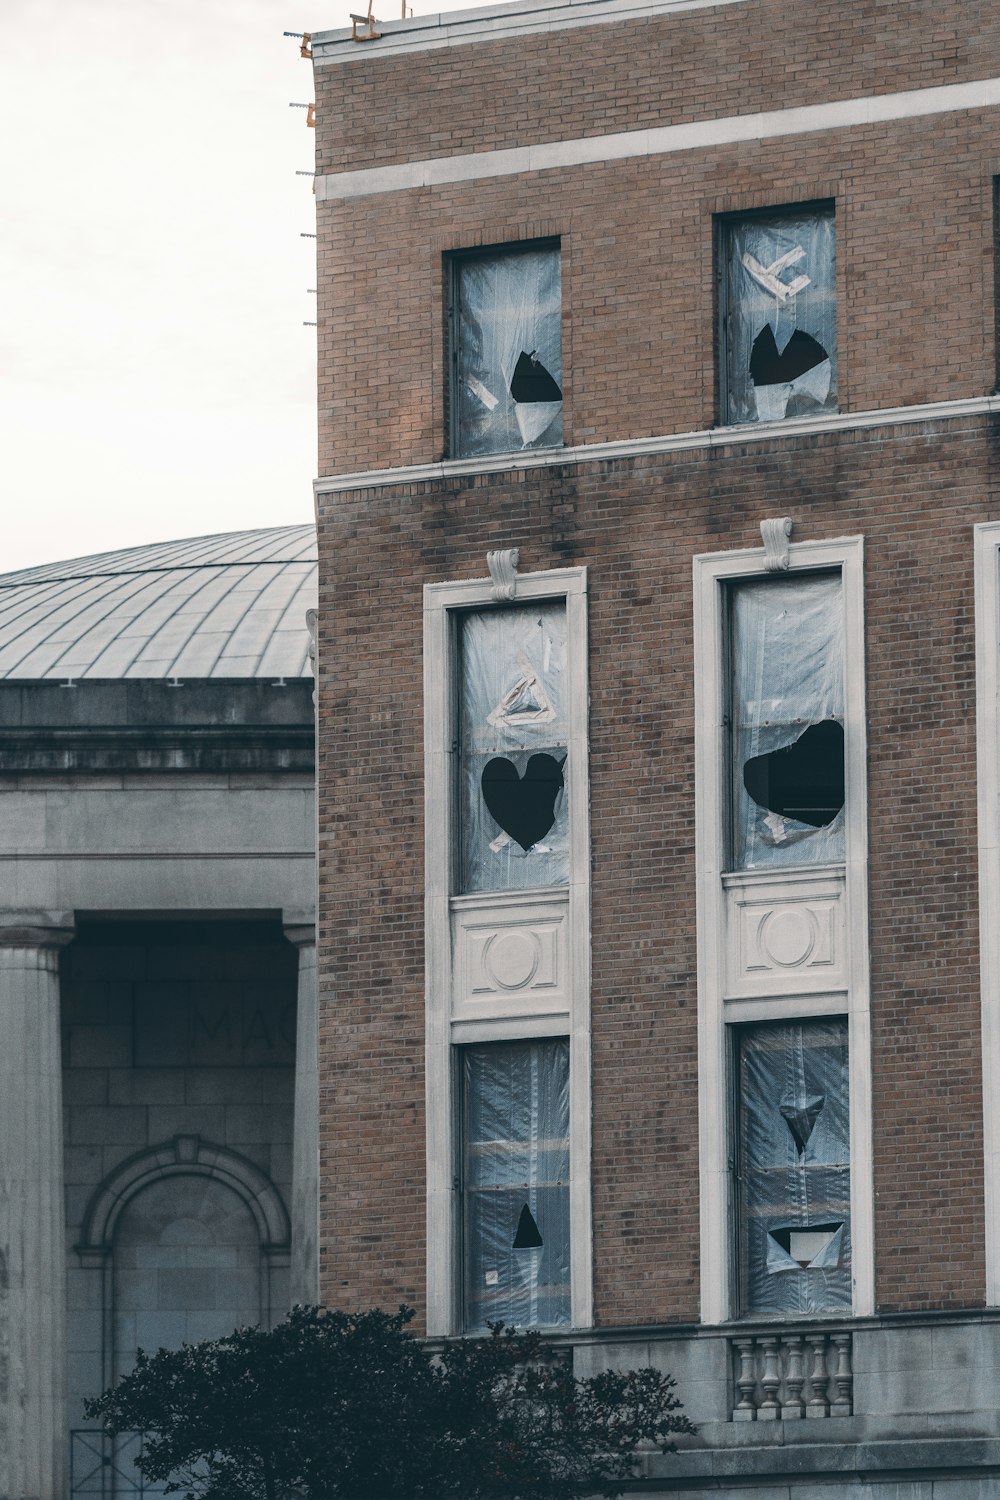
<point x="778" y="323"/>
<point x="505" y="330"/>
<point x="512" y="720"/>
<point x="532" y="381"/>
<point x="523" y="806"/>
<point x="793" y="1168"/>
<point x="528" y="1236"/>
<point x="804" y="780"/>
<point x="812" y="1247"/>
<point x="786" y="721"/>
<point x="515" y="1184"/>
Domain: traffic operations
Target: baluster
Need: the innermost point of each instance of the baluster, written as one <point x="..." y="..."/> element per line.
<point x="746" y="1410"/>
<point x="817" y="1401"/>
<point x="769" y="1408"/>
<point x="843" y="1404"/>
<point x="793" y="1406"/>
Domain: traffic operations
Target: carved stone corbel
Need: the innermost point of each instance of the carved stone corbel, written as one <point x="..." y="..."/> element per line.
<point x="503" y="571"/>
<point x="775" y="535"/>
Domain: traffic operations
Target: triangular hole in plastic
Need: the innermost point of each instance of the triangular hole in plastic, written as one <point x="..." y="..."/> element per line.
<point x="527" y="1236"/>
<point x="801" y="1118"/>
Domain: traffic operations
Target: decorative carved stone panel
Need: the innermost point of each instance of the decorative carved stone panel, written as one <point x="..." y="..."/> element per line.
<point x="785" y="936"/>
<point x="509" y="957"/>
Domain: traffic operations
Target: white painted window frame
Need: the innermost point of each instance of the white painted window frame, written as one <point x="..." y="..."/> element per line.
<point x="987" y="595"/>
<point x="445" y="1033"/>
<point x="713" y="572"/>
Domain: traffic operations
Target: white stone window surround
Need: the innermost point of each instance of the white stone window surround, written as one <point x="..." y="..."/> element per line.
<point x="455" y="1017"/>
<point x="987" y="592"/>
<point x="727" y="995"/>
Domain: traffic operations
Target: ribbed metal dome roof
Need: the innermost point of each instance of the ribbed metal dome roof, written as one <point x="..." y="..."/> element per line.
<point x="213" y="606"/>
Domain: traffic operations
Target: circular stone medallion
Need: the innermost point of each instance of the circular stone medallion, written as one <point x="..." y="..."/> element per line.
<point x="511" y="959"/>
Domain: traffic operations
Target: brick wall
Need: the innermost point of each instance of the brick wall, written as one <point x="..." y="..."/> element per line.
<point x="915" y="267"/>
<point x="914" y="282"/>
<point x="915" y="494"/>
<point x="914" y="218"/>
<point x="734" y="59"/>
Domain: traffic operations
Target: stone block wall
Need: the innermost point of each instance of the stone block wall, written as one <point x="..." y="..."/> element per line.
<point x="172" y="1029"/>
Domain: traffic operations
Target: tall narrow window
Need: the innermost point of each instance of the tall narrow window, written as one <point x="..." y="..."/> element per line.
<point x="787" y="713"/>
<point x="506" y="336"/>
<point x="514" y="732"/>
<point x="794" y="1168"/>
<point x="515" y="1182"/>
<point x="779" y="315"/>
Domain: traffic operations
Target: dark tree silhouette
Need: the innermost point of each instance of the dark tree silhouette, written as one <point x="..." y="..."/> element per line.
<point x="343" y="1406"/>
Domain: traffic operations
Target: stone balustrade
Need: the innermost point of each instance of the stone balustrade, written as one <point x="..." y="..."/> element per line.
<point x="790" y="1375"/>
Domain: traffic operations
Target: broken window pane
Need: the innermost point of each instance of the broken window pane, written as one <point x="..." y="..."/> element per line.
<point x="787" y="722"/>
<point x="516" y="1184"/>
<point x="507" y="360"/>
<point x="794" y="1175"/>
<point x="780" y="316"/>
<point x="513" y="738"/>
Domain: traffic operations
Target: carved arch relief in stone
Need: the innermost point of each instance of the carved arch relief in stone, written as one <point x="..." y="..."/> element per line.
<point x="192" y="1240"/>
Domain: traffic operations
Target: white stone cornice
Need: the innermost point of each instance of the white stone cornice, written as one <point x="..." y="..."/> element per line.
<point x="659" y="140"/>
<point x="678" y="442"/>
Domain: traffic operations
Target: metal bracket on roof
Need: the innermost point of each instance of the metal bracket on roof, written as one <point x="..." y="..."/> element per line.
<point x="369" y="34"/>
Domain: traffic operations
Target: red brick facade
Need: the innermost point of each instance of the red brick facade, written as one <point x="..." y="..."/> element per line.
<point x="915" y="268"/>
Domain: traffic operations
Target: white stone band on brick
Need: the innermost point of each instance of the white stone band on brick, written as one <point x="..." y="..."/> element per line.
<point x="673" y="442"/>
<point x="661" y="140"/>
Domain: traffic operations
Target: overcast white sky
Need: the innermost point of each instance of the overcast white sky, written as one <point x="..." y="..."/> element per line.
<point x="156" y="380"/>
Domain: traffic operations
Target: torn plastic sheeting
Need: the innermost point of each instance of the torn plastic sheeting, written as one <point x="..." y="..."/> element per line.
<point x="526" y="702"/>
<point x="787" y="675"/>
<point x="516" y="1184"/>
<point x="769" y="277"/>
<point x="795" y="1167"/>
<point x="805" y="1248"/>
<point x="509" y="351"/>
<point x="798" y="309"/>
<point x="802" y="367"/>
<point x="512" y="668"/>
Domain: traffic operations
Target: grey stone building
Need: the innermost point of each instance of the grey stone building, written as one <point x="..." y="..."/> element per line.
<point x="158" y="1137"/>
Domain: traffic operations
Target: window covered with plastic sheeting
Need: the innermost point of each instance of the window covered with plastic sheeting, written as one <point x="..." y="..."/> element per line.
<point x="512" y="765"/>
<point x="516" y="1184"/>
<point x="787" y="712"/>
<point x="794" y="1172"/>
<point x="780" y="314"/>
<point x="507" y="351"/>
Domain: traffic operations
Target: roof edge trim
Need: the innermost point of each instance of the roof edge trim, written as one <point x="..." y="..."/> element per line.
<point x="494" y="23"/>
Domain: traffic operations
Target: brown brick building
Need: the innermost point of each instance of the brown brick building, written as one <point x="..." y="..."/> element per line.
<point x="658" y="1006"/>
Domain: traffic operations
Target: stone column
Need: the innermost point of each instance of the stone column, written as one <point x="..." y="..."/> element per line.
<point x="33" y="1435"/>
<point x="304" y="1285"/>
